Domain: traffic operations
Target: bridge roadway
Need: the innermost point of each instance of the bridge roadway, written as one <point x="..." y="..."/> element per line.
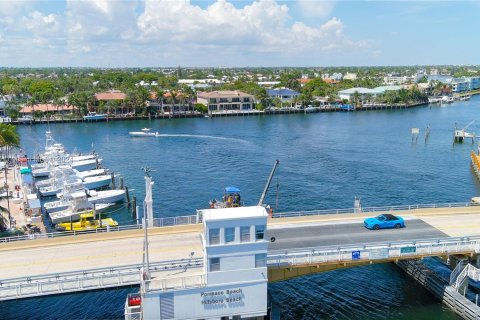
<point x="105" y="250"/>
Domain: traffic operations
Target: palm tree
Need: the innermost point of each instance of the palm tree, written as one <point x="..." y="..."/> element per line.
<point x="9" y="138"/>
<point x="173" y="101"/>
<point x="159" y="93"/>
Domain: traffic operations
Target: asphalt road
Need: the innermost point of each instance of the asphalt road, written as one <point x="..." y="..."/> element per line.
<point x="347" y="234"/>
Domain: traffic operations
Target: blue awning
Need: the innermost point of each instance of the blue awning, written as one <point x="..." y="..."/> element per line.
<point x="27" y="178"/>
<point x="232" y="190"/>
<point x="34" y="203"/>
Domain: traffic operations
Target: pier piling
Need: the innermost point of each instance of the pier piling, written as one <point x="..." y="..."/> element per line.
<point x="134" y="207"/>
<point x="128" y="196"/>
<point x="113" y="180"/>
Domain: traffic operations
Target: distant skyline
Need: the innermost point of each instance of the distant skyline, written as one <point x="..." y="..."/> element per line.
<point x="227" y="33"/>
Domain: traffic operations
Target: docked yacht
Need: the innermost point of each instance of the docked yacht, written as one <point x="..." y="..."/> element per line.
<point x="88" y="164"/>
<point x="96" y="182"/>
<point x="89" y="173"/>
<point x="144" y="133"/>
<point x="93" y="116"/>
<point x="74" y="214"/>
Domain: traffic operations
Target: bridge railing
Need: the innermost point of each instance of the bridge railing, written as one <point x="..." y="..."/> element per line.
<point x="194" y="281"/>
<point x="369" y="252"/>
<point x="89" y="279"/>
<point x="371" y="209"/>
<point x="157" y="222"/>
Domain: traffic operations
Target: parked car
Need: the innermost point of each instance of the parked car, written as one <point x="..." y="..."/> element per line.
<point x="384" y="221"/>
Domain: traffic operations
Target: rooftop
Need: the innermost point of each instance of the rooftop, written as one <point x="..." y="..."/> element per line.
<point x="110" y="95"/>
<point x="226" y="93"/>
<point x="45" y="107"/>
<point x="234" y="213"/>
<point x="284" y="91"/>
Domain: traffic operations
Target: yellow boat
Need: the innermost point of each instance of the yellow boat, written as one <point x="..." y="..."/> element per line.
<point x="87" y="222"/>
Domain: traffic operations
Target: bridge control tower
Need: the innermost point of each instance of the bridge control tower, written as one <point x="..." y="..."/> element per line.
<point x="233" y="284"/>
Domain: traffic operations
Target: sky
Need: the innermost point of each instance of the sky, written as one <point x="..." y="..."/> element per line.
<point x="233" y="33"/>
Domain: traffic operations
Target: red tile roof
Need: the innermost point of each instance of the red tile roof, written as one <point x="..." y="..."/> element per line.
<point x="46" y="107"/>
<point x="110" y="95"/>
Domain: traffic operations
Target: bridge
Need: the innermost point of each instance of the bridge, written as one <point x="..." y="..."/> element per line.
<point x="304" y="243"/>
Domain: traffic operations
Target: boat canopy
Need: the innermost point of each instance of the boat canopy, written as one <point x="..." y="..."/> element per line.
<point x="232" y="190"/>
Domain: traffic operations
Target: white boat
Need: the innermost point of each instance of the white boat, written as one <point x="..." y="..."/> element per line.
<point x="310" y="109"/>
<point x="144" y="133"/>
<point x="41" y="172"/>
<point x="85" y="165"/>
<point x="89" y="173"/>
<point x="93" y="116"/>
<point x="96" y="182"/>
<point x="447" y="99"/>
<point x="67" y="214"/>
<point x="54" y="189"/>
<point x="106" y="196"/>
<point x="84" y="157"/>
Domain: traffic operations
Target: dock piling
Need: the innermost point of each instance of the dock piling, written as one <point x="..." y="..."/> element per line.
<point x="113" y="180"/>
<point x="134" y="207"/>
<point x="128" y="196"/>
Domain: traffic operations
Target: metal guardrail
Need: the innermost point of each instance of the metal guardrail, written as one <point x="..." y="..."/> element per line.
<point x="195" y="281"/>
<point x="157" y="222"/>
<point x="373" y="251"/>
<point x="91" y="279"/>
<point x="371" y="209"/>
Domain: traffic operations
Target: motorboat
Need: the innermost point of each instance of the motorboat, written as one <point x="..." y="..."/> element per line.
<point x="89" y="173"/>
<point x="54" y="189"/>
<point x="84" y="165"/>
<point x="96" y="182"/>
<point x="87" y="222"/>
<point x="310" y="109"/>
<point x="106" y="196"/>
<point x="145" y="132"/>
<point x="93" y="116"/>
<point x="74" y="214"/>
<point x="231" y="198"/>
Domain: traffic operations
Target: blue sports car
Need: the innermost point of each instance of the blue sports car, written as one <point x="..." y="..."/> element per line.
<point x="384" y="221"/>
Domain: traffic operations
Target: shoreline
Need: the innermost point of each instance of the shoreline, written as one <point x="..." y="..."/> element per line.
<point x="230" y="113"/>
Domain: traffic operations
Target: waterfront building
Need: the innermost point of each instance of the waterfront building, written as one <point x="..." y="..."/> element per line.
<point x="459" y="85"/>
<point x="365" y="92"/>
<point x="285" y="95"/>
<point x="170" y="102"/>
<point x="110" y="95"/>
<point x="110" y="98"/>
<point x="464" y="84"/>
<point x="226" y="100"/>
<point x="28" y="110"/>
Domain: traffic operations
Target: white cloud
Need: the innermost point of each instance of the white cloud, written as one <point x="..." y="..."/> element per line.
<point x="171" y="32"/>
<point x="263" y="26"/>
<point x="315" y="8"/>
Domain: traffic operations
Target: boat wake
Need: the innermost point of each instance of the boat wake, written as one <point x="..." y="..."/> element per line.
<point x="199" y="136"/>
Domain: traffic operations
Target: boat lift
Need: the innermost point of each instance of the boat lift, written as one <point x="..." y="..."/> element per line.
<point x="460" y="134"/>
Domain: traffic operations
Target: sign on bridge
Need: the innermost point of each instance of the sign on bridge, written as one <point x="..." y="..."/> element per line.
<point x="408" y="250"/>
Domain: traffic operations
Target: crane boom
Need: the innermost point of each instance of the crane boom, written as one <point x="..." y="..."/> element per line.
<point x="264" y="193"/>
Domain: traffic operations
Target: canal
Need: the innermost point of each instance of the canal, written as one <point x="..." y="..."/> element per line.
<point x="326" y="159"/>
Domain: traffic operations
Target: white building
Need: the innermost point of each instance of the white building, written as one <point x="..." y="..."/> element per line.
<point x="364" y="92"/>
<point x="226" y="100"/>
<point x="235" y="254"/>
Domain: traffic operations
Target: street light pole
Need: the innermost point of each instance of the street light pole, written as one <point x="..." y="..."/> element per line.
<point x="8" y="198"/>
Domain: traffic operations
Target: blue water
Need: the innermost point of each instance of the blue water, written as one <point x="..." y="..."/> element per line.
<point x="326" y="159"/>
